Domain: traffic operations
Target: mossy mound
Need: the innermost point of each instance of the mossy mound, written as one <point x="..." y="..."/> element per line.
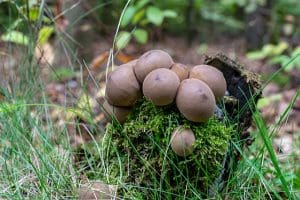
<point x="139" y="159"/>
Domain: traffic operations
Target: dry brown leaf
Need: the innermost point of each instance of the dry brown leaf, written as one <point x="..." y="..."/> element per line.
<point x="96" y="190"/>
<point x="99" y="60"/>
<point x="100" y="118"/>
<point x="124" y="58"/>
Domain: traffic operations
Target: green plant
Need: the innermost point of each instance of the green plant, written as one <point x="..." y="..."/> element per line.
<point x="32" y="165"/>
<point x="282" y="9"/>
<point x="268" y="51"/>
<point x="17" y="19"/>
<point x="62" y="73"/>
<point x="284" y="59"/>
<point x="275" y="54"/>
<point x="138" y="16"/>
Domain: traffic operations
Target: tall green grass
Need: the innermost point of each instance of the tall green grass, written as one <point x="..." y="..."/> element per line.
<point x="35" y="155"/>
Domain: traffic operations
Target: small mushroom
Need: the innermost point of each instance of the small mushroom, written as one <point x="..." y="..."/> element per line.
<point x="182" y="141"/>
<point x="160" y="86"/>
<point x="195" y="100"/>
<point x="122" y="87"/>
<point x="150" y="61"/>
<point x="120" y="113"/>
<point x="212" y="77"/>
<point x="181" y="70"/>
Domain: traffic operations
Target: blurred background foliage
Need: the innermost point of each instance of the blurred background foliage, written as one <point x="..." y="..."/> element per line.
<point x="19" y="19"/>
<point x="208" y="20"/>
<point x="260" y="21"/>
<point x="271" y="28"/>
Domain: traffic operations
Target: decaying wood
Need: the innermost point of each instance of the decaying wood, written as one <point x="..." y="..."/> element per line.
<point x="244" y="90"/>
<point x="243" y="86"/>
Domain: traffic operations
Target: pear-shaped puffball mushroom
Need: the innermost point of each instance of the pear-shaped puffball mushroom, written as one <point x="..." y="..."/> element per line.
<point x="212" y="77"/>
<point x="120" y="113"/>
<point x="150" y="61"/>
<point x="195" y="100"/>
<point x="122" y="87"/>
<point x="181" y="70"/>
<point x="160" y="86"/>
<point x="182" y="141"/>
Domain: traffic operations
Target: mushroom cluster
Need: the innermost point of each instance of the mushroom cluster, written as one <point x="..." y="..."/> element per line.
<point x="154" y="75"/>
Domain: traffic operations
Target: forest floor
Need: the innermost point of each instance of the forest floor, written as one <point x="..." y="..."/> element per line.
<point x="75" y="82"/>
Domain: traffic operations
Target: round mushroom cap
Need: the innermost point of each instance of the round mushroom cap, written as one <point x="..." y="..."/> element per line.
<point x="160" y="86"/>
<point x="195" y="100"/>
<point x="182" y="141"/>
<point x="212" y="77"/>
<point x="181" y="70"/>
<point x="120" y="113"/>
<point x="150" y="61"/>
<point x="122" y="88"/>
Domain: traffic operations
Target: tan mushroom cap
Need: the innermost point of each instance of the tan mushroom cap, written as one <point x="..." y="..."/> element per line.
<point x="212" y="77"/>
<point x="122" y="87"/>
<point x="160" y="86"/>
<point x="195" y="100"/>
<point x="120" y="113"/>
<point x="182" y="141"/>
<point x="150" y="61"/>
<point x="181" y="70"/>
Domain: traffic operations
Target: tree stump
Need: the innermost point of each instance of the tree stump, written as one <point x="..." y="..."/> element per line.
<point x="244" y="90"/>
<point x="138" y="153"/>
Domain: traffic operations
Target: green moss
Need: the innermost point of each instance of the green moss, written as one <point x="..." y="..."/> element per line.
<point x="139" y="154"/>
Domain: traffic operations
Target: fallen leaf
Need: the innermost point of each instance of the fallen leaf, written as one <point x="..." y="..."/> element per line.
<point x="99" y="60"/>
<point x="124" y="58"/>
<point x="97" y="190"/>
<point x="99" y="118"/>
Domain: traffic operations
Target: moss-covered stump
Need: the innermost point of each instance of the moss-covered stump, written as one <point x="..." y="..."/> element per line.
<point x="138" y="158"/>
<point x="139" y="153"/>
